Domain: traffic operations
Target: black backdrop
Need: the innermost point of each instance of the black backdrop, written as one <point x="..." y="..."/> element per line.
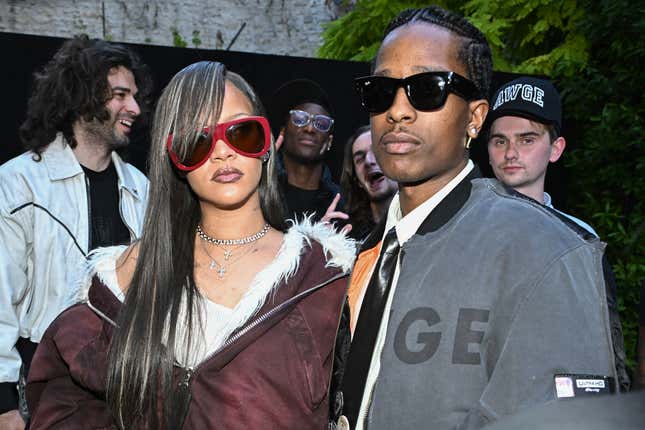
<point x="24" y="54"/>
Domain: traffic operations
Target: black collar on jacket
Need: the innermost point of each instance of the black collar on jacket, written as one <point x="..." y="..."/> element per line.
<point x="444" y="211"/>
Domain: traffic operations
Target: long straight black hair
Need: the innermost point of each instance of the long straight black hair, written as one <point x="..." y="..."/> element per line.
<point x="162" y="293"/>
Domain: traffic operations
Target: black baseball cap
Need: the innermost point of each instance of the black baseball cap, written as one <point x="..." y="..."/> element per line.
<point x="530" y="98"/>
<point x="294" y="93"/>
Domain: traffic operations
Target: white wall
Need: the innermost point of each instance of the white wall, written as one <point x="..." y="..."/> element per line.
<point x="283" y="27"/>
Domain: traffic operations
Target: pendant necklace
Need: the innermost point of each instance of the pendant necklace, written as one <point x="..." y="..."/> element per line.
<point x="222" y="268"/>
<point x="228" y="252"/>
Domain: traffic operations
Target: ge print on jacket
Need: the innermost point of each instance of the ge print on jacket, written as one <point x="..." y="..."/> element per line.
<point x="44" y="224"/>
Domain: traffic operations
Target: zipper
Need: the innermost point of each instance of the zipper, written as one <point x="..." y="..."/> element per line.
<point x="89" y="213"/>
<point x="333" y="355"/>
<point x="191" y="371"/>
<point x="188" y="374"/>
<point x="132" y="235"/>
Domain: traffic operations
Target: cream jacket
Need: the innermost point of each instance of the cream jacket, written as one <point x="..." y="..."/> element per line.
<point x="44" y="236"/>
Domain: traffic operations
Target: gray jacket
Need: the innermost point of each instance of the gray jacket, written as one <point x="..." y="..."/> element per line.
<point x="495" y="296"/>
<point x="44" y="236"/>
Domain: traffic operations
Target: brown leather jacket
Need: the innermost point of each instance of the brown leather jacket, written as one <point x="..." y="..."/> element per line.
<point x="279" y="381"/>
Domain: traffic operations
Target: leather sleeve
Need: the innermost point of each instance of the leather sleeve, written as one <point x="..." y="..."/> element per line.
<point x="66" y="359"/>
<point x="341" y="351"/>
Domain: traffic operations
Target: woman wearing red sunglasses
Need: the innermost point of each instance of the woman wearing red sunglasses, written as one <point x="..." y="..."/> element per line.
<point x="220" y="316"/>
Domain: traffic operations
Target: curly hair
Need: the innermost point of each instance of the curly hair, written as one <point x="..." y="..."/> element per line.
<point x="357" y="200"/>
<point x="474" y="52"/>
<point x="73" y="85"/>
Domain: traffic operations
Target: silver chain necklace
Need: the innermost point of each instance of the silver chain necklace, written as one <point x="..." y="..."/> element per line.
<point x="243" y="241"/>
<point x="222" y="269"/>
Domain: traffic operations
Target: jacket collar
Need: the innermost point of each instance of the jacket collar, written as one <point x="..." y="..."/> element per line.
<point x="98" y="285"/>
<point x="62" y="164"/>
<point x="102" y="302"/>
<point x="60" y="160"/>
<point x="444" y="211"/>
<point x="126" y="180"/>
<point x="450" y="205"/>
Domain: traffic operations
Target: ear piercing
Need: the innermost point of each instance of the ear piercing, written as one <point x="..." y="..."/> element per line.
<point x="473" y="130"/>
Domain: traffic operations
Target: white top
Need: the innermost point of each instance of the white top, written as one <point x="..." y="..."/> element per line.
<point x="214" y="319"/>
<point x="406" y="227"/>
<point x="217" y="321"/>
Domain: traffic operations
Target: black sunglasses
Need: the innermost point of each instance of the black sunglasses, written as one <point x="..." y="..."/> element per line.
<point x="425" y="91"/>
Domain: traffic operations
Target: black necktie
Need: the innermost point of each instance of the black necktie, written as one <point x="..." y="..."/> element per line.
<point x="367" y="327"/>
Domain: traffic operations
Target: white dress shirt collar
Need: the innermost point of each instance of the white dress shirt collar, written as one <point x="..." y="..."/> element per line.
<point x="407" y="225"/>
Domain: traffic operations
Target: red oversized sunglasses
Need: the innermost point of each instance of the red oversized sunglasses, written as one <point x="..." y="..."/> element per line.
<point x="249" y="136"/>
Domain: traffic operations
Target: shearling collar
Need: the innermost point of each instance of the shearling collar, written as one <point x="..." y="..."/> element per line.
<point x="338" y="249"/>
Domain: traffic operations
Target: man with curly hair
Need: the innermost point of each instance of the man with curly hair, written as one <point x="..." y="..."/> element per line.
<point x="69" y="193"/>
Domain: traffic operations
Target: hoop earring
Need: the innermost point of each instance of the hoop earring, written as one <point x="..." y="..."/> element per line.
<point x="468" y="142"/>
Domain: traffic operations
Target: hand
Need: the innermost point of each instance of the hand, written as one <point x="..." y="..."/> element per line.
<point x="332" y="214"/>
<point x="279" y="140"/>
<point x="12" y="420"/>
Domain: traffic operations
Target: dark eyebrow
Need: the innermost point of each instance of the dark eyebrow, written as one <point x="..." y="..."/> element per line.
<point x="357" y="153"/>
<point x="124" y="89"/>
<point x="529" y="134"/>
<point x="498" y="135"/>
<point x="526" y="134"/>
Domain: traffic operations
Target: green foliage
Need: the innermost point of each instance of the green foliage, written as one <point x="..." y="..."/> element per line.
<point x="196" y="40"/>
<point x="593" y="50"/>
<point x="531" y="36"/>
<point x="177" y="40"/>
<point x="607" y="155"/>
<point x="357" y="35"/>
<point x="551" y="38"/>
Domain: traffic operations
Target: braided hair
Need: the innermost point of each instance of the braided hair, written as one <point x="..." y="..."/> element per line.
<point x="474" y="52"/>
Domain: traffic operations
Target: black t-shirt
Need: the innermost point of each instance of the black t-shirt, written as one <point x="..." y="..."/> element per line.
<point x="300" y="201"/>
<point x="106" y="226"/>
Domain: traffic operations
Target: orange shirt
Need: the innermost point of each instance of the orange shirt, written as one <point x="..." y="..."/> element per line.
<point x="360" y="278"/>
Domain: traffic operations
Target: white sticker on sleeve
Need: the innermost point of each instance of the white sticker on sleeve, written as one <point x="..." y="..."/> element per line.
<point x="563" y="387"/>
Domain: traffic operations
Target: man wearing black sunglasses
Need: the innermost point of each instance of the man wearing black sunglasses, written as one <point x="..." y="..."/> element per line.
<point x="303" y="113"/>
<point x="462" y="312"/>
